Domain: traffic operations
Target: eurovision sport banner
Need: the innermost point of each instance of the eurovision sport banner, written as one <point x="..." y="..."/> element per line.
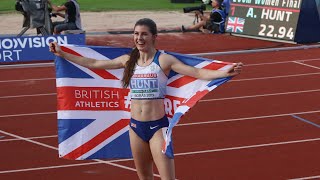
<point x="94" y="109"/>
<point x="33" y="48"/>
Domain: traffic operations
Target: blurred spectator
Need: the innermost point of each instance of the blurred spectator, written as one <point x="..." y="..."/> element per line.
<point x="226" y="6"/>
<point x="210" y="23"/>
<point x="72" y="16"/>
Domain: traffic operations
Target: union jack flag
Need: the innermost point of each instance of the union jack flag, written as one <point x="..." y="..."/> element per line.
<point x="235" y="24"/>
<point x="94" y="109"/>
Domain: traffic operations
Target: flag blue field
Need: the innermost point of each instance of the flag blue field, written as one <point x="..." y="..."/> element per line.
<point x="94" y="110"/>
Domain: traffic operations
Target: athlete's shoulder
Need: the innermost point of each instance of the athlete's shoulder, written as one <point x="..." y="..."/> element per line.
<point x="164" y="56"/>
<point x="167" y="60"/>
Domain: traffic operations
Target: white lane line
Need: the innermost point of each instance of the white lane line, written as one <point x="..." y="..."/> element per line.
<point x="204" y="100"/>
<point x="238" y="80"/>
<point x="308" y="65"/>
<point x="306" y="178"/>
<point x="27" y="114"/>
<point x="205" y="122"/>
<point x="28" y="140"/>
<point x="303" y="47"/>
<point x="121" y="166"/>
<point x="38" y="137"/>
<point x="64" y="166"/>
<point x="258" y="64"/>
<point x="22" y="80"/>
<point x="28" y="95"/>
<point x="32" y="65"/>
<point x="275" y="77"/>
<point x="248" y="147"/>
<point x="246" y="118"/>
<point x="282" y="62"/>
<point x="177" y="154"/>
<point x="312" y="59"/>
<point x="54" y="148"/>
<point x="48" y="167"/>
<point x="260" y="95"/>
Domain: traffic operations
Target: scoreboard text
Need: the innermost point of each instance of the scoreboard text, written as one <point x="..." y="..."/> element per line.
<point x="275" y="19"/>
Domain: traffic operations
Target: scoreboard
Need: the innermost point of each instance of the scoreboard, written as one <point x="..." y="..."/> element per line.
<point x="272" y="19"/>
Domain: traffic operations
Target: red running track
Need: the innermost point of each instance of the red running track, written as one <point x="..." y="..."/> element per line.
<point x="264" y="124"/>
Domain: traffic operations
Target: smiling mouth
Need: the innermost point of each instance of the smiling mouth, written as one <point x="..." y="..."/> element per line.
<point x="140" y="43"/>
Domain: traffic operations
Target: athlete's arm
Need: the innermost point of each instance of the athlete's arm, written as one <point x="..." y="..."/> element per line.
<point x="170" y="62"/>
<point x="89" y="62"/>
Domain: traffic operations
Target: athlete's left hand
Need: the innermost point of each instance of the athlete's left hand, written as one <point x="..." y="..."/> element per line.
<point x="235" y="69"/>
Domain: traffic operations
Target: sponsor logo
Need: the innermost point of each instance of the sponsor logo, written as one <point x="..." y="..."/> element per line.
<point x="133" y="125"/>
<point x="153" y="127"/>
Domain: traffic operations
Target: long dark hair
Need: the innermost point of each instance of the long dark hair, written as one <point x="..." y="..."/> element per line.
<point x="134" y="54"/>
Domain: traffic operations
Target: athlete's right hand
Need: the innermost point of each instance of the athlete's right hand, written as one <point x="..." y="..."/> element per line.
<point x="55" y="48"/>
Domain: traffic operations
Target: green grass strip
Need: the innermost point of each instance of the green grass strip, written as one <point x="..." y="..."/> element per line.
<point x="7" y="6"/>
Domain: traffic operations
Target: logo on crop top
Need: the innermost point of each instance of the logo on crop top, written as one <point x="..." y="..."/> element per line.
<point x="144" y="86"/>
<point x="150" y="75"/>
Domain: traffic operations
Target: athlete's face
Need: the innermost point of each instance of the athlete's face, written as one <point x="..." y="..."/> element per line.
<point x="143" y="38"/>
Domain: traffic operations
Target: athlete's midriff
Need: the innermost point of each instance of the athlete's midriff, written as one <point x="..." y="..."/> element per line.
<point x="147" y="109"/>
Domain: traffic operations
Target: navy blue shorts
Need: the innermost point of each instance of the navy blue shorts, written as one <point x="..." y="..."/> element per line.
<point x="145" y="130"/>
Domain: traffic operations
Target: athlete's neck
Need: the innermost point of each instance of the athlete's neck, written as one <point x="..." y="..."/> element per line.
<point x="147" y="56"/>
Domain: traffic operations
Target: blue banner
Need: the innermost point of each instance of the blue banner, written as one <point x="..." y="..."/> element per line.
<point x="33" y="48"/>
